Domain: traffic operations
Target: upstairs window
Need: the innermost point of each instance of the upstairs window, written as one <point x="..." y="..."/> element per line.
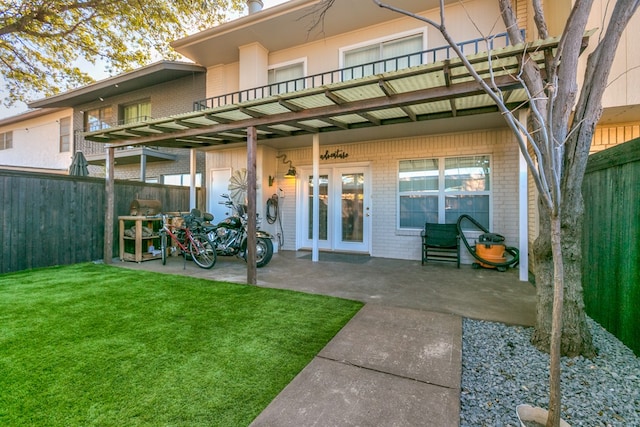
<point x="377" y="58"/>
<point x="98" y="118"/>
<point x="286" y="78"/>
<point x="137" y="112"/>
<point x="439" y="190"/>
<point x="65" y="134"/>
<point x="6" y="140"/>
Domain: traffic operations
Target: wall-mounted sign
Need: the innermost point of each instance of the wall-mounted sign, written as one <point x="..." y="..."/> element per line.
<point x="337" y="154"/>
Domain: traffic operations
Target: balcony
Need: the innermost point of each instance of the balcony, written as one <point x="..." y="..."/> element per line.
<point x="469" y="47"/>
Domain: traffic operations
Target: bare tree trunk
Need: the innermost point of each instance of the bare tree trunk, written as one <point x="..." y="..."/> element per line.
<point x="576" y="336"/>
<point x="556" y="321"/>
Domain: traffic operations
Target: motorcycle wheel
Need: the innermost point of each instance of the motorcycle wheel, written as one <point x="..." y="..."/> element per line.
<point x="202" y="251"/>
<point x="264" y="251"/>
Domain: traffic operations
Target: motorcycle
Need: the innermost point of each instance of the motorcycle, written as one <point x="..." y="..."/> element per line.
<point x="229" y="237"/>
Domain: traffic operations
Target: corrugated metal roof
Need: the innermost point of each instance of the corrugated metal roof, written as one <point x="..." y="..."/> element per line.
<point x="433" y="90"/>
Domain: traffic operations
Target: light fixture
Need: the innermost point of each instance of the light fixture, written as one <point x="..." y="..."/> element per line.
<point x="292" y="170"/>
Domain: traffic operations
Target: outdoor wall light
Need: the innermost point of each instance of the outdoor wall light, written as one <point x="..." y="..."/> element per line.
<point x="292" y="170"/>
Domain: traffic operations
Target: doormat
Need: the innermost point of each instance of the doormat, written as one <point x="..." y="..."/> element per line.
<point x="340" y="257"/>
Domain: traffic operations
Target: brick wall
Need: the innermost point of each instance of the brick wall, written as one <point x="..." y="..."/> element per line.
<point x="383" y="157"/>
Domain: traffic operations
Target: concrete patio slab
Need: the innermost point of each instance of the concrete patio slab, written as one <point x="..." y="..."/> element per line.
<point x="387" y="367"/>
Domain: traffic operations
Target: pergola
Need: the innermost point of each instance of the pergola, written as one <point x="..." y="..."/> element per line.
<point x="436" y="90"/>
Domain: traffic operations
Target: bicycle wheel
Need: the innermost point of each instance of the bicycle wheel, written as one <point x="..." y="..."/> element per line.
<point x="163" y="247"/>
<point x="202" y="251"/>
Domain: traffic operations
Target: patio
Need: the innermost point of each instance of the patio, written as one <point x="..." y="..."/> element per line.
<point x="483" y="294"/>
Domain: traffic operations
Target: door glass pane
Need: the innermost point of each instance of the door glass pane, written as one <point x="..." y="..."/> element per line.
<point x="324" y="204"/>
<point x="352" y="207"/>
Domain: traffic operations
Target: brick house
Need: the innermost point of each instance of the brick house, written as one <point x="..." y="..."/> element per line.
<point x="157" y="90"/>
<point x="362" y="99"/>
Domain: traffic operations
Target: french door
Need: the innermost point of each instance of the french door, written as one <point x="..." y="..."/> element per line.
<point x="345" y="213"/>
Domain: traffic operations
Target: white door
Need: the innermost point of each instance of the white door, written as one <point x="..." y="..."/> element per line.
<point x="218" y="184"/>
<point x="345" y="209"/>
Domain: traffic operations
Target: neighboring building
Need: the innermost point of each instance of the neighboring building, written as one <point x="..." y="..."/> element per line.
<point x="383" y="172"/>
<point x="39" y="141"/>
<point x="158" y="90"/>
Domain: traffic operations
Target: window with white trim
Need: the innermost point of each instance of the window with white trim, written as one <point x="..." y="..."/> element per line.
<point x="286" y="78"/>
<point x="6" y="140"/>
<point x="377" y="58"/>
<point x="65" y="134"/>
<point x="441" y="189"/>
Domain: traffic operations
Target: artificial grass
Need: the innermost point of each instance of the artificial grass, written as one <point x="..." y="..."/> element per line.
<point x="99" y="345"/>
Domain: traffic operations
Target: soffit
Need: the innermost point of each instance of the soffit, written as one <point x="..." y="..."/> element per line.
<point x="159" y="72"/>
<point x="432" y="91"/>
<point x="286" y="25"/>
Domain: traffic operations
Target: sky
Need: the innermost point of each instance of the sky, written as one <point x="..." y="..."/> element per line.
<point x="96" y="72"/>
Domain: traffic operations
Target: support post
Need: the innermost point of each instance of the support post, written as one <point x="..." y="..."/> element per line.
<point x="110" y="206"/>
<point x="316" y="198"/>
<point x="193" y="164"/>
<point x="252" y="148"/>
<point x="143" y="166"/>
<point x="523" y="209"/>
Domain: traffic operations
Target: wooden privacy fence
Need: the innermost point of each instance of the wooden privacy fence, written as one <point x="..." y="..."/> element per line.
<point x="55" y="219"/>
<point x="611" y="241"/>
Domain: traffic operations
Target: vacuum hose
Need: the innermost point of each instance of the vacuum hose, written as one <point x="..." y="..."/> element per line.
<point x="513" y="251"/>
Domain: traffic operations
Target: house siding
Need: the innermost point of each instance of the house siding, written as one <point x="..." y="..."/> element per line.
<point x="36" y="143"/>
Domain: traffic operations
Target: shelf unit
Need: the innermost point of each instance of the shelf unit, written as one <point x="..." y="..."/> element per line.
<point x="136" y="248"/>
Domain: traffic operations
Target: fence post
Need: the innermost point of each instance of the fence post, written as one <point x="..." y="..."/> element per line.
<point x="109" y="208"/>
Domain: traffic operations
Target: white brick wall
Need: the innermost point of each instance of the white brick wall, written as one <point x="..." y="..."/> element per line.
<point x="383" y="157"/>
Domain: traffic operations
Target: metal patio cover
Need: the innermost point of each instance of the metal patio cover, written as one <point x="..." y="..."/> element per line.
<point x="431" y="91"/>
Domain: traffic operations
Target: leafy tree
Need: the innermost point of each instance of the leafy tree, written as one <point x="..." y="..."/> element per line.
<point x="559" y="133"/>
<point x="43" y="41"/>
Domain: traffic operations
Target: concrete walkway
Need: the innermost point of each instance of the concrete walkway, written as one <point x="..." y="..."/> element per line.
<point x="398" y="361"/>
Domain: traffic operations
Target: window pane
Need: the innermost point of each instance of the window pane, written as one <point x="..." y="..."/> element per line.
<point x="323" y="196"/>
<point x="467" y="174"/>
<point x="136" y="112"/>
<point x="475" y="206"/>
<point x="416" y="210"/>
<point x="418" y="175"/>
<point x="65" y="134"/>
<point x="99" y="118"/>
<point x="360" y="56"/>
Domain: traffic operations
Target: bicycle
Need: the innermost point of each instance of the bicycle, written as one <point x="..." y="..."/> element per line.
<point x="195" y="244"/>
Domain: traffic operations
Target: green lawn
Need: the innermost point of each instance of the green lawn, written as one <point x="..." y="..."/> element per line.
<point x="89" y="344"/>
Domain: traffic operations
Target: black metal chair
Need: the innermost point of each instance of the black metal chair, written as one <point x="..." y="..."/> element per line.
<point x="440" y="242"/>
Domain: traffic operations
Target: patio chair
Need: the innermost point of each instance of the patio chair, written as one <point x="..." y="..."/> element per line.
<point x="440" y="242"/>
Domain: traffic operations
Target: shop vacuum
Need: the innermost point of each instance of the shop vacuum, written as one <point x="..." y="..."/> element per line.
<point x="489" y="250"/>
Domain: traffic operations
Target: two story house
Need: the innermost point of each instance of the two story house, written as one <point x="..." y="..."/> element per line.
<point x="157" y="90"/>
<point x="367" y="112"/>
<point x="38" y="141"/>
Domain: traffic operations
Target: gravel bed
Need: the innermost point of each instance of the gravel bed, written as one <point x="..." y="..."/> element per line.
<point x="501" y="369"/>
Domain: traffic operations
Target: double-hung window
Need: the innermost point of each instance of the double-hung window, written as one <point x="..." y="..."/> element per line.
<point x="286" y="77"/>
<point x="6" y="140"/>
<point x="65" y="134"/>
<point x="439" y="190"/>
<point x="382" y="57"/>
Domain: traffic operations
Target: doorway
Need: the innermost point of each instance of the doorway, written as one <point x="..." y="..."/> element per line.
<point x="345" y="208"/>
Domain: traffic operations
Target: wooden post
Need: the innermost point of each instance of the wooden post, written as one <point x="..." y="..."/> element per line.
<point x="252" y="148"/>
<point x="110" y="206"/>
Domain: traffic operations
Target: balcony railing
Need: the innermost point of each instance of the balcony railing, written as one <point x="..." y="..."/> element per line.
<point x="469" y="47"/>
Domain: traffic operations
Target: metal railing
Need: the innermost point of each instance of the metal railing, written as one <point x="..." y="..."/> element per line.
<point x="469" y="47"/>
